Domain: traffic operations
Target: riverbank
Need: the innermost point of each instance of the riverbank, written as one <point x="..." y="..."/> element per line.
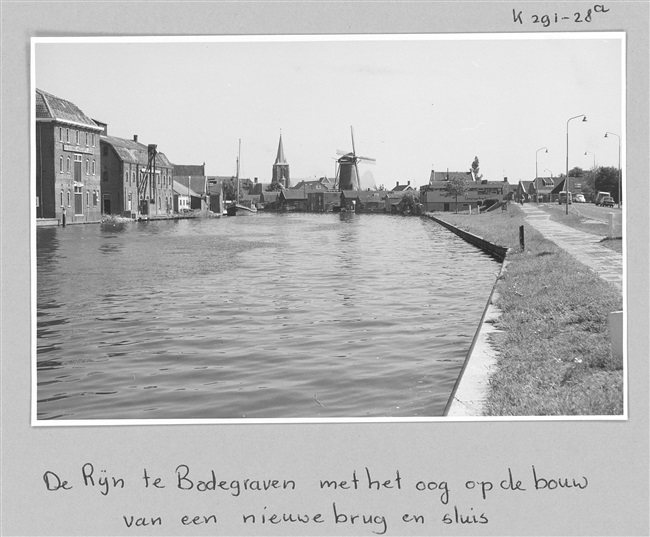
<point x="552" y="341"/>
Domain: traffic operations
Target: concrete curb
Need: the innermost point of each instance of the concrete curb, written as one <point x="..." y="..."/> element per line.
<point x="497" y="251"/>
<point x="473" y="383"/>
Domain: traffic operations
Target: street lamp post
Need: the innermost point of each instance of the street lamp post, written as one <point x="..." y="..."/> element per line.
<point x="594" y="155"/>
<point x="566" y="178"/>
<point x="619" y="166"/>
<point x="536" y="174"/>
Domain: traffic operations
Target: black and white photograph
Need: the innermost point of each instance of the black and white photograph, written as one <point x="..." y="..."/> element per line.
<point x="315" y="267"/>
<point x="328" y="227"/>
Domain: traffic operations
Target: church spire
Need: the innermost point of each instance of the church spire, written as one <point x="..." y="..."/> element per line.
<point x="281" y="167"/>
<point x="280" y="158"/>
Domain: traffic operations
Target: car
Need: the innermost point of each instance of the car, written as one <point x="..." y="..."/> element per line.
<point x="608" y="201"/>
<point x="580" y="198"/>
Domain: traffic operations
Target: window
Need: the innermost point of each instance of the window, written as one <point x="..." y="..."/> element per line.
<point x="67" y="165"/>
<point x="86" y="139"/>
<point x="104" y="176"/>
<point x="60" y="134"/>
<point x="61" y="198"/>
<point x="93" y="166"/>
<point x="60" y="164"/>
<point x="76" y="136"/>
<point x="87" y="198"/>
<point x="92" y="137"/>
<point x="126" y="178"/>
<point x="68" y="198"/>
<point x="87" y="167"/>
<point x="95" y="198"/>
<point x="133" y="176"/>
<point x="67" y="135"/>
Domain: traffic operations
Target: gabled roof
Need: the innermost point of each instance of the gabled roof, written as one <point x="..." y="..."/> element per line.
<point x="269" y="196"/>
<point x="293" y="195"/>
<point x="189" y="169"/>
<point x="215" y="188"/>
<point x="559" y="187"/>
<point x="134" y="152"/>
<point x="183" y="191"/>
<point x="444" y="176"/>
<point x="310" y="185"/>
<point x="49" y="107"/>
<point x="525" y="184"/>
<point x="402" y="188"/>
<point x="196" y="183"/>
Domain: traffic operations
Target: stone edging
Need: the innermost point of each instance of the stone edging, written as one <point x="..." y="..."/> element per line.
<point x="497" y="251"/>
<point x="472" y="385"/>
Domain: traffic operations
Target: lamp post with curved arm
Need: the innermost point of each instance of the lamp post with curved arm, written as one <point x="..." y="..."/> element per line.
<point x="536" y="174"/>
<point x="566" y="178"/>
<point x="619" y="166"/>
<point x="594" y="155"/>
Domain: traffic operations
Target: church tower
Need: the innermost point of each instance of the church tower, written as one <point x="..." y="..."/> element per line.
<point x="281" y="168"/>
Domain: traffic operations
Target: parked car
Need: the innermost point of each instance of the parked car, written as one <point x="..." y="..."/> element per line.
<point x="607" y="202"/>
<point x="580" y="198"/>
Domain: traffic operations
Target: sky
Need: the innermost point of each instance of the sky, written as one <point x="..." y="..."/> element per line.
<point x="415" y="103"/>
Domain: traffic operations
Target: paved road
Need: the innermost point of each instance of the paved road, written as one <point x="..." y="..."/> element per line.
<point x="585" y="247"/>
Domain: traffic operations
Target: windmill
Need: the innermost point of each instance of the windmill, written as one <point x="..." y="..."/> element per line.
<point x="347" y="173"/>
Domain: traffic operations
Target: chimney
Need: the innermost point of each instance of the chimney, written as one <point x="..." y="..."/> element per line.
<point x="397" y="183"/>
<point x="135" y="137"/>
<point x="256" y="180"/>
<point x="408" y="183"/>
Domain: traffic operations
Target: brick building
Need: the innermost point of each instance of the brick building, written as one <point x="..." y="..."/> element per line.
<point x="136" y="179"/>
<point x="67" y="161"/>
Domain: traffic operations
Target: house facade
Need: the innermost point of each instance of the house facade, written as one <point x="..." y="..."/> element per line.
<point x="434" y="197"/>
<point x="293" y="200"/>
<point x="194" y="188"/>
<point x="68" y="161"/>
<point x="136" y="179"/>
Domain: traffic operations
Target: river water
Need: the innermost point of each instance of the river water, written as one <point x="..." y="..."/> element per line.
<point x="270" y="316"/>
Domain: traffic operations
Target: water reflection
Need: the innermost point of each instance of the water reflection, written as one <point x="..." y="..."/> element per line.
<point x="252" y="317"/>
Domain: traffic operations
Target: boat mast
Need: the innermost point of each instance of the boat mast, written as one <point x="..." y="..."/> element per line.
<point x="238" y="157"/>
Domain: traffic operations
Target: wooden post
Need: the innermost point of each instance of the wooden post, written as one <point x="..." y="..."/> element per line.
<point x="521" y="238"/>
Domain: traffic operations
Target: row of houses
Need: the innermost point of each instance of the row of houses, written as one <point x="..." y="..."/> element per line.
<point x="545" y="189"/>
<point x="83" y="173"/>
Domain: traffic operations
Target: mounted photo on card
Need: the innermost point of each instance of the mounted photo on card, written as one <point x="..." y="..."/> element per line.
<point x="320" y="229"/>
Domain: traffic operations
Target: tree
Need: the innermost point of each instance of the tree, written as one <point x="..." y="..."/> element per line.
<point x="408" y="203"/>
<point x="274" y="187"/>
<point x="576" y="172"/>
<point x="475" y="170"/>
<point x="230" y="189"/>
<point x="456" y="186"/>
<point x="606" y="180"/>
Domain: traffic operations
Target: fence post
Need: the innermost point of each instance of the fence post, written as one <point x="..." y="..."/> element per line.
<point x="521" y="238"/>
<point x="610" y="217"/>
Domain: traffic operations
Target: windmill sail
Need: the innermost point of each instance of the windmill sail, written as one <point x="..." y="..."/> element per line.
<point x="347" y="177"/>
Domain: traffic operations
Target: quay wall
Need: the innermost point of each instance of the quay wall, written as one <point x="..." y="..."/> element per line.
<point x="496" y="251"/>
<point x="472" y="385"/>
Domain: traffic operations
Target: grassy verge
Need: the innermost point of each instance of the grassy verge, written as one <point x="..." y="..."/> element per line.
<point x="554" y="347"/>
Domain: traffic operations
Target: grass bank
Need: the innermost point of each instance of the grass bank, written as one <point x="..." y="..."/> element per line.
<point x="554" y="348"/>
